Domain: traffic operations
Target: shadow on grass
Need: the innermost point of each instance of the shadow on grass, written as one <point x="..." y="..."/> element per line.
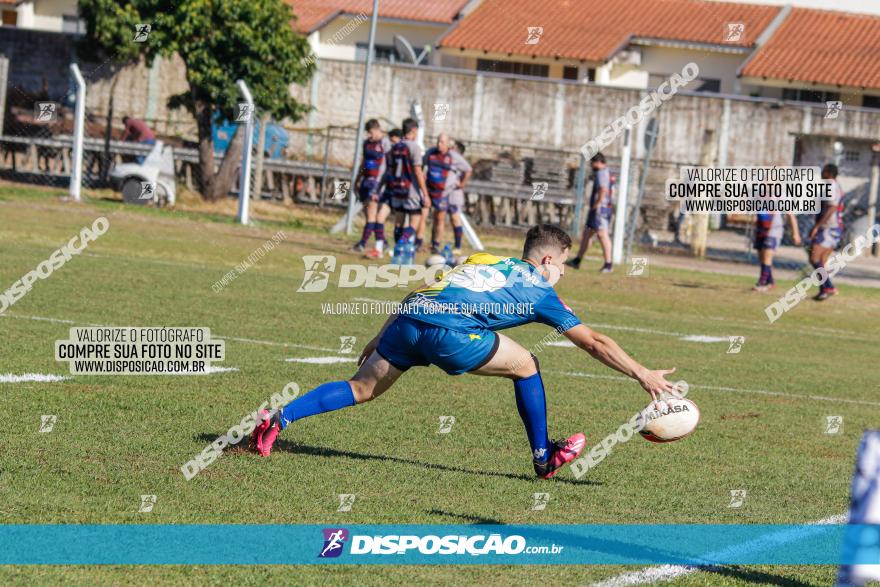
<point x="322" y="451"/>
<point x="758" y="577"/>
<point x="467" y="517"/>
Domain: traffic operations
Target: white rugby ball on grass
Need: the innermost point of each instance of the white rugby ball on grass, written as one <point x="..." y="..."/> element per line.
<point x="435" y="260"/>
<point x="670" y="419"/>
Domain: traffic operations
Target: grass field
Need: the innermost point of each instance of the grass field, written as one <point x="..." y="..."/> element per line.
<point x="118" y="437"/>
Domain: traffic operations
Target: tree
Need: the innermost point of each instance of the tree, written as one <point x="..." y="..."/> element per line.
<point x="219" y="41"/>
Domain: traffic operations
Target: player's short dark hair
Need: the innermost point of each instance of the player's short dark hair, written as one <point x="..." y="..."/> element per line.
<point x="395" y="132"/>
<point x="598" y="158"/>
<point x="371" y="124"/>
<point x="124" y="119"/>
<point x="545" y="235"/>
<point x="459" y="146"/>
<point x="408" y="125"/>
<point x="830" y="169"/>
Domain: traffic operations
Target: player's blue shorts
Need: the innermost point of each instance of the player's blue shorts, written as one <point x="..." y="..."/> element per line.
<point x="763" y="242"/>
<point x="368" y="190"/>
<point x="444" y="204"/>
<point x="385" y="197"/>
<point x="599" y="219"/>
<point x="410" y="343"/>
<point x="828" y="237"/>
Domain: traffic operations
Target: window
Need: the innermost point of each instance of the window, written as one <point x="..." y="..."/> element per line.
<point x="570" y="72"/>
<point x="516" y="67"/>
<point x="708" y="85"/>
<point x="380" y="53"/>
<point x="698" y="85"/>
<point x="10" y="18"/>
<point x="809" y="95"/>
<point x="851" y="156"/>
<point x="70" y="23"/>
<point x="871" y="101"/>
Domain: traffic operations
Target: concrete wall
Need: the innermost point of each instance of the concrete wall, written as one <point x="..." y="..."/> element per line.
<point x="552" y="114"/>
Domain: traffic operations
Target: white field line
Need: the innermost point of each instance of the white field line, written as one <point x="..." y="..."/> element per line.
<point x="761" y="325"/>
<point x="703" y="338"/>
<point x="733" y="389"/>
<point x="664" y="573"/>
<point x="636" y="329"/>
<point x="322" y="360"/>
<point x="27" y="377"/>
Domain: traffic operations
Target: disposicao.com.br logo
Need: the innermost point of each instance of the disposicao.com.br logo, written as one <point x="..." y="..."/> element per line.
<point x="476" y="545"/>
<point x="475" y="277"/>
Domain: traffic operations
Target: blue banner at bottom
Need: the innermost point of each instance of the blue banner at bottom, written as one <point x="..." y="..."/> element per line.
<point x="247" y="544"/>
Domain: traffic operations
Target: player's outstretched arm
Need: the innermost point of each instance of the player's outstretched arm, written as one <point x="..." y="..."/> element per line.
<point x="604" y="349"/>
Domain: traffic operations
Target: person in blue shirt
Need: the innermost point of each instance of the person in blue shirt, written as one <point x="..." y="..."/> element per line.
<point x="454" y="325"/>
<point x="601" y="212"/>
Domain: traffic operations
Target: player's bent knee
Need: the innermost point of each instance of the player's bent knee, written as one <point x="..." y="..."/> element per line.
<point x="525" y="367"/>
<point x="362" y="390"/>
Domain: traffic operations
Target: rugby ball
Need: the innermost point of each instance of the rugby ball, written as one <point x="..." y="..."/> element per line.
<point x="435" y="260"/>
<point x="669" y="419"/>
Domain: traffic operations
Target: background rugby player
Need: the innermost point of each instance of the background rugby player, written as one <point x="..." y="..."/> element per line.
<point x="446" y="170"/>
<point x="826" y="233"/>
<point x="769" y="229"/>
<point x="369" y="182"/>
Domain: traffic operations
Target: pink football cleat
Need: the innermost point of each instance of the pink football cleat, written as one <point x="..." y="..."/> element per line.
<point x="564" y="451"/>
<point x="265" y="433"/>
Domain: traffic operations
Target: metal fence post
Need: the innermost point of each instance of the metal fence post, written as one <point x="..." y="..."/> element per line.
<point x="4" y="75"/>
<point x="78" y="131"/>
<point x="579" y="182"/>
<point x="622" y="196"/>
<point x="324" y="170"/>
<point x="349" y="219"/>
<point x="244" y="188"/>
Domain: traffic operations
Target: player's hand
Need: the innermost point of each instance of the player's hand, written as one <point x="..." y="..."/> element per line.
<point x="654" y="382"/>
<point x="368" y="350"/>
<point x="797" y="241"/>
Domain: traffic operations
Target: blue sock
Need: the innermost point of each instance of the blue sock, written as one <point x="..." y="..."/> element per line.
<point x="532" y="409"/>
<point x="324" y="398"/>
<point x="457" y="230"/>
<point x="827" y="284"/>
<point x="766" y="277"/>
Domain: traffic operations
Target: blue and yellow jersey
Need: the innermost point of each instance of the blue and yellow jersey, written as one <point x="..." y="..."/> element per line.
<point x="489" y="292"/>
